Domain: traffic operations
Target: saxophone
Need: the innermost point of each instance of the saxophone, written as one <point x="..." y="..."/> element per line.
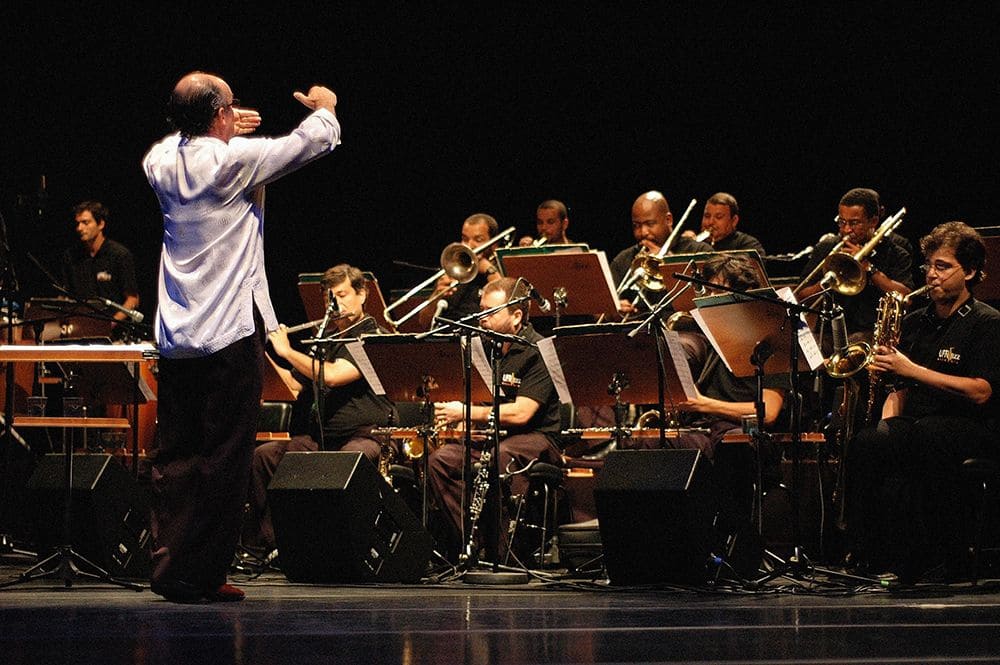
<point x="889" y="316"/>
<point x="891" y="308"/>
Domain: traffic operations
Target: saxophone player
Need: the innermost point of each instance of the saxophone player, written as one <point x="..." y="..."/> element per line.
<point x="903" y="488"/>
<point x="529" y="412"/>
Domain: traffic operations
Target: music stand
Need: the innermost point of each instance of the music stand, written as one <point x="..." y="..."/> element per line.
<point x="989" y="289"/>
<point x="595" y="365"/>
<point x="407" y="369"/>
<point x="311" y="293"/>
<point x="749" y="329"/>
<point x="673" y="263"/>
<point x="579" y="284"/>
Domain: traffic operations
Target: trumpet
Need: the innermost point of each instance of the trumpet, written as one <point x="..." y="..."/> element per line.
<point x="843" y="272"/>
<point x="458" y="262"/>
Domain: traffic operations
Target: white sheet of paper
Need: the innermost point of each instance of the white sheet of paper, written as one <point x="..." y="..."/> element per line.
<point x="681" y="364"/>
<point x="547" y="349"/>
<point x="364" y="365"/>
<point x="807" y="341"/>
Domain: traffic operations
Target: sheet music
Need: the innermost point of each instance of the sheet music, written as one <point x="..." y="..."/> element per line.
<point x="550" y="357"/>
<point x="681" y="365"/>
<point x="364" y="365"/>
<point x="144" y="388"/>
<point x="700" y="320"/>
<point x="482" y="364"/>
<point x="807" y="342"/>
<point x="602" y="259"/>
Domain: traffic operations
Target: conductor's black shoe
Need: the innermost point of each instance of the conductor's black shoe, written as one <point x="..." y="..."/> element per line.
<point x="177" y="591"/>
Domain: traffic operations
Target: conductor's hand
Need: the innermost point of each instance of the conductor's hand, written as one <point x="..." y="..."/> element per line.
<point x="279" y="340"/>
<point x="246" y="120"/>
<point x="318" y="97"/>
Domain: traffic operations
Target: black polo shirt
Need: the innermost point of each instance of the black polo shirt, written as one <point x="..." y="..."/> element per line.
<point x="967" y="343"/>
<point x="465" y="299"/>
<point x="738" y="240"/>
<point x="108" y="274"/>
<point x="523" y="373"/>
<point x="355" y="406"/>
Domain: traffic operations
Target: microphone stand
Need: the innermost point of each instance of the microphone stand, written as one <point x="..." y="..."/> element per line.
<point x="497" y="574"/>
<point x="798" y="565"/>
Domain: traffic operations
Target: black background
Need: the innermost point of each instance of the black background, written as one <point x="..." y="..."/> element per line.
<point x="448" y="111"/>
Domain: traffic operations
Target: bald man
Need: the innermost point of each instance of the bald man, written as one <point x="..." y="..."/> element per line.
<point x="651" y="226"/>
<point x="213" y="312"/>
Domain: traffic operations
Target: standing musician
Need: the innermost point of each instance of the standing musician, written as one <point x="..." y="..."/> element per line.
<point x="889" y="268"/>
<point x="529" y="412"/>
<point x="551" y="222"/>
<point x="903" y="488"/>
<point x="351" y="408"/>
<point x="651" y="226"/>
<point x="463" y="299"/>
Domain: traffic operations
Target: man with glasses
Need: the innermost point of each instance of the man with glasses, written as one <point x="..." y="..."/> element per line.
<point x="889" y="267"/>
<point x="904" y="492"/>
<point x="529" y="412"/>
<point x="213" y="312"/>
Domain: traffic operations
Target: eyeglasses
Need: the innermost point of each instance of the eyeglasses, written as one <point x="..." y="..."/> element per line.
<point x="940" y="267"/>
<point x="841" y="222"/>
<point x="235" y="102"/>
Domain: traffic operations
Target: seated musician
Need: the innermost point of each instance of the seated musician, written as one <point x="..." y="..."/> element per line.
<point x="889" y="268"/>
<point x="652" y="224"/>
<point x="351" y="408"/>
<point x="903" y="492"/>
<point x="551" y="221"/>
<point x="718" y="226"/>
<point x="463" y="299"/>
<point x="529" y="413"/>
<point x="722" y="400"/>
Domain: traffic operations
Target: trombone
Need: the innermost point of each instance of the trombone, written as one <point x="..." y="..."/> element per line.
<point x="457" y="261"/>
<point x="843" y="272"/>
<point x="633" y="274"/>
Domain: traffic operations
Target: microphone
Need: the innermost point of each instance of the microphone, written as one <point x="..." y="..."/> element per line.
<point x="442" y="305"/>
<point x="805" y="252"/>
<point x="838" y="329"/>
<point x="330" y="309"/>
<point x="133" y="315"/>
<point x="543" y="303"/>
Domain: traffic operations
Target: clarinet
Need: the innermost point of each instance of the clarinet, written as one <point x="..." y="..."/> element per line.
<point x="477" y="499"/>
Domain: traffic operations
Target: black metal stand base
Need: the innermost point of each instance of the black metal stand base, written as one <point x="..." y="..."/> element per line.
<point x="799" y="568"/>
<point x="65" y="567"/>
<point x="501" y="575"/>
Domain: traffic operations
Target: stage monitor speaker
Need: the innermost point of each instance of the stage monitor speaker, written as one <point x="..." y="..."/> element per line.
<point x="655" y="509"/>
<point x="337" y="520"/>
<point x="109" y="519"/>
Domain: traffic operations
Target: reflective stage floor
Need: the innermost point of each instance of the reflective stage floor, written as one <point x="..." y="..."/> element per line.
<point x="544" y="621"/>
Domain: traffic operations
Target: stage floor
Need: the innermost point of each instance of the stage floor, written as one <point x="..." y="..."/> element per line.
<point x="548" y="620"/>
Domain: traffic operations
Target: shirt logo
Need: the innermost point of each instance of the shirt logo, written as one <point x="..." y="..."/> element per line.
<point x="104" y="276"/>
<point x="949" y="356"/>
<point x="510" y="380"/>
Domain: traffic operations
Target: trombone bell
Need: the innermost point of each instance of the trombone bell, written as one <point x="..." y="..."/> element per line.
<point x="844" y="274"/>
<point x="647" y="272"/>
<point x="459" y="263"/>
